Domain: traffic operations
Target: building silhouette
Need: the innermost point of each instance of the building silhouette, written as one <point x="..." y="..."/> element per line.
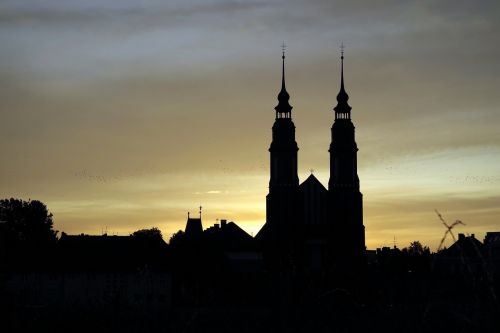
<point x="307" y="226"/>
<point x="194" y="227"/>
<point x="304" y="271"/>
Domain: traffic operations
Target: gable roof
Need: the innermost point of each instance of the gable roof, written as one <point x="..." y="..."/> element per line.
<point x="312" y="183"/>
<point x="467" y="246"/>
<point x="231" y="237"/>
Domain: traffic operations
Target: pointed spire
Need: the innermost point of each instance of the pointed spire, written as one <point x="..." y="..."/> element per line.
<point x="342" y="67"/>
<point x="342" y="96"/>
<point x="283" y="96"/>
<point x="283" y="88"/>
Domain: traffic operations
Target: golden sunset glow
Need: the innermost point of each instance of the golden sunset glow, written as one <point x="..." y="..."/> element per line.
<point x="120" y="117"/>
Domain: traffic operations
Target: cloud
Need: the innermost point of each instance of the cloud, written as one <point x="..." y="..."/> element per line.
<point x="57" y="12"/>
<point x="177" y="98"/>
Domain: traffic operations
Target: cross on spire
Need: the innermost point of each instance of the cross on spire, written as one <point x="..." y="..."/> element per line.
<point x="283" y="49"/>
<point x="342" y="48"/>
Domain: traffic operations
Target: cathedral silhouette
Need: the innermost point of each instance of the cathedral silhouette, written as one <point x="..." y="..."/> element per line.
<point x="307" y="226"/>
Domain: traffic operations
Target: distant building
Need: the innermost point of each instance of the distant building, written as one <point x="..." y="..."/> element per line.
<point x="462" y="258"/>
<point x="240" y="249"/>
<point x="97" y="273"/>
<point x="491" y="252"/>
<point x="492" y="238"/>
<point x="194" y="228"/>
<point x="465" y="246"/>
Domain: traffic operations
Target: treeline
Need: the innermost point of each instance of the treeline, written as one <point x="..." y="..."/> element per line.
<point x="27" y="234"/>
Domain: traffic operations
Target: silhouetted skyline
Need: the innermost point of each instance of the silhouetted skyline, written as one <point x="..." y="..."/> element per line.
<point x="126" y="116"/>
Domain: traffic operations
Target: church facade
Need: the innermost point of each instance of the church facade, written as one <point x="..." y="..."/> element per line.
<point x="307" y="225"/>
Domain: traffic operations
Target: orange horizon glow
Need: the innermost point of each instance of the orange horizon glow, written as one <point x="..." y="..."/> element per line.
<point x="126" y="116"/>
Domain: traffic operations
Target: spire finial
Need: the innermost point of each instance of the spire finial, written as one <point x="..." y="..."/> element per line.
<point x="342" y="48"/>
<point x="200" y="211"/>
<point x="342" y="110"/>
<point x="283" y="108"/>
<point x="283" y="48"/>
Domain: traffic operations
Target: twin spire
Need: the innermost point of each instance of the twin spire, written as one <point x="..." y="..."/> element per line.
<point x="284" y="109"/>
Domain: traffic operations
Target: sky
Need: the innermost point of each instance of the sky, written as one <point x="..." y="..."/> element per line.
<point x="122" y="115"/>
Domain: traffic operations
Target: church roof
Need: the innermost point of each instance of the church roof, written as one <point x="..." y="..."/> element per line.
<point x="262" y="232"/>
<point x="312" y="182"/>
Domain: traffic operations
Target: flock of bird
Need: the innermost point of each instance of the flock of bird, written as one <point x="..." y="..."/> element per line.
<point x="468" y="179"/>
<point x="94" y="178"/>
<point x="464" y="179"/>
<point x="84" y="175"/>
<point x="455" y="179"/>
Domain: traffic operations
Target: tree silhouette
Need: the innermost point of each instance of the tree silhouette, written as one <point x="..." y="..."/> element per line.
<point x="148" y="233"/>
<point x="27" y="237"/>
<point x="417" y="248"/>
<point x="177" y="238"/>
<point x="26" y="223"/>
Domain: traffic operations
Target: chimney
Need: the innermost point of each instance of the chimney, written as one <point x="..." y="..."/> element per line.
<point x="473" y="236"/>
<point x="461" y="236"/>
<point x="223" y="223"/>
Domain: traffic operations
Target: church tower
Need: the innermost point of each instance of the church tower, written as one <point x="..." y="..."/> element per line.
<point x="283" y="146"/>
<point x="346" y="200"/>
<point x="284" y="182"/>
